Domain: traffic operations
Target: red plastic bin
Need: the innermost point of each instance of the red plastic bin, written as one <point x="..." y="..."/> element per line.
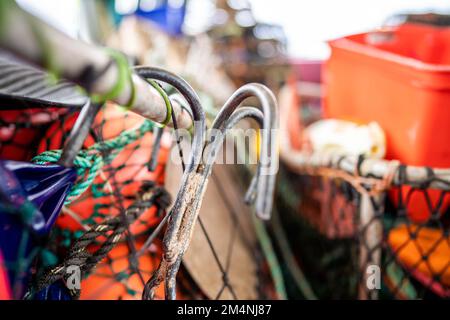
<point x="400" y="78"/>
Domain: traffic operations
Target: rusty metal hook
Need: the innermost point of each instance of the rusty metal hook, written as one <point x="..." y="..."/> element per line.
<point x="195" y="178"/>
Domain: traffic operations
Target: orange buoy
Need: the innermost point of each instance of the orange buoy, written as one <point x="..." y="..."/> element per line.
<point x="422" y="249"/>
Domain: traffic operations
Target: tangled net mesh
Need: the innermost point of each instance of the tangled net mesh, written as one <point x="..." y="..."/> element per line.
<point x="111" y="223"/>
<point x="113" y="179"/>
<point x="346" y="234"/>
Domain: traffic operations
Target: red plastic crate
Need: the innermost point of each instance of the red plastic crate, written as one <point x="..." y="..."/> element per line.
<point x="401" y="79"/>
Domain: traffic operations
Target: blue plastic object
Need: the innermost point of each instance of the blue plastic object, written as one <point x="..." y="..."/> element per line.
<point x="31" y="197"/>
<point x="169" y="15"/>
<point x="56" y="291"/>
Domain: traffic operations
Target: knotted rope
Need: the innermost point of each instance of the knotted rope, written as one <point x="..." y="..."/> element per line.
<point x="112" y="229"/>
<point x="89" y="162"/>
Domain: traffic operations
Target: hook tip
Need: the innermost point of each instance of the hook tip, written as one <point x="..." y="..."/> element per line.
<point x="263" y="206"/>
<point x="264" y="215"/>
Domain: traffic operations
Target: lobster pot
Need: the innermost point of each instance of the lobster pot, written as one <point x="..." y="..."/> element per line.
<point x="115" y="187"/>
<point x="125" y="173"/>
<point x="354" y="243"/>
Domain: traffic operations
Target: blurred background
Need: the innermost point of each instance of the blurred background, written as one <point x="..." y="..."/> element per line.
<point x="306" y="26"/>
<point x="369" y="79"/>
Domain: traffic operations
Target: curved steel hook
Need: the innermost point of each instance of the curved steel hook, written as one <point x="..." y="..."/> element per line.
<point x="236" y="116"/>
<point x="177" y="243"/>
<point x="177" y="238"/>
<point x="195" y="177"/>
<point x="198" y="140"/>
<point x="264" y="184"/>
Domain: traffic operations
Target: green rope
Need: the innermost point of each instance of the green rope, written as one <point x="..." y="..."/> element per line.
<point x="121" y="141"/>
<point x="88" y="163"/>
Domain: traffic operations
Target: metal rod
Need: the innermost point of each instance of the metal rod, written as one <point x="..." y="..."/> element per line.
<point x="79" y="133"/>
<point x="371" y="229"/>
<point x="35" y="41"/>
<point x="153" y="162"/>
<point x="269" y="145"/>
